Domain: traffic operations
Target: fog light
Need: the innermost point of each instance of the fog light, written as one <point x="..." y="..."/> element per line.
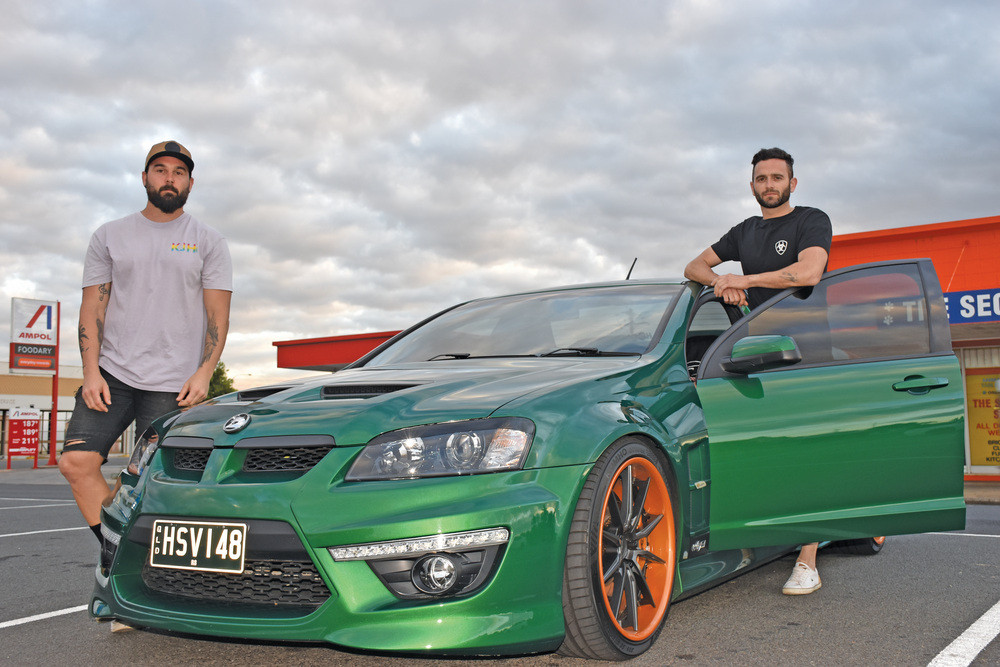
<point x="99" y="608"/>
<point x="435" y="574"/>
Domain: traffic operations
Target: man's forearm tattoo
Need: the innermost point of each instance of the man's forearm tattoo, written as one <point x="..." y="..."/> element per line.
<point x="211" y="341"/>
<point x="103" y="291"/>
<point x="790" y="277"/>
<point x="84" y="339"/>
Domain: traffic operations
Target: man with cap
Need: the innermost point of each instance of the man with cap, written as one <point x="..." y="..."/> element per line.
<point x="154" y="316"/>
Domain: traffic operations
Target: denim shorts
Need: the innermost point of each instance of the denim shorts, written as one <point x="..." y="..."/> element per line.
<point x="96" y="431"/>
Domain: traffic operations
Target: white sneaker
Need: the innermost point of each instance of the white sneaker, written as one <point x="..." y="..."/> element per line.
<point x="804" y="580"/>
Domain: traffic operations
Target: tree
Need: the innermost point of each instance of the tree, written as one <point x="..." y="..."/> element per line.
<point x="220" y="383"/>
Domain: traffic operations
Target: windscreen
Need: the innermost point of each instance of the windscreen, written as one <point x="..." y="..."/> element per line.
<point x="598" y="321"/>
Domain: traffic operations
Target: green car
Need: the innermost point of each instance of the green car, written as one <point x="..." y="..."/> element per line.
<point x="546" y="471"/>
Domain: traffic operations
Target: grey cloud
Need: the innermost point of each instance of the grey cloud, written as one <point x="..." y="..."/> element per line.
<point x="371" y="163"/>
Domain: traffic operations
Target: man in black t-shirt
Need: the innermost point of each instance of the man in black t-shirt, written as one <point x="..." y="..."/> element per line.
<point x="785" y="246"/>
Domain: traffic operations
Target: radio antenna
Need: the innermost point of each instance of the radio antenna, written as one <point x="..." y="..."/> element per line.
<point x="629" y="275"/>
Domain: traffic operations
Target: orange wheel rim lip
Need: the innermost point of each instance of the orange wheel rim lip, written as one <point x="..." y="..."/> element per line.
<point x="879" y="540"/>
<point x="662" y="542"/>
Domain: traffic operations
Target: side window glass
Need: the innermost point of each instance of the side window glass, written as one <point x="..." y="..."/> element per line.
<point x="708" y="323"/>
<point x="879" y="314"/>
<point x="870" y="313"/>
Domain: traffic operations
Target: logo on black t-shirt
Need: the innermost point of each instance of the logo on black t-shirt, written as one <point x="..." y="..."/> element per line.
<point x="780" y="247"/>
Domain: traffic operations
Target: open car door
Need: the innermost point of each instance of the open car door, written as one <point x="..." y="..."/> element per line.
<point x="836" y="412"/>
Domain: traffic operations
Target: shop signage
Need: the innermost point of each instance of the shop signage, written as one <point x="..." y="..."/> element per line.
<point x="973" y="306"/>
<point x="984" y="416"/>
<point x="34" y="334"/>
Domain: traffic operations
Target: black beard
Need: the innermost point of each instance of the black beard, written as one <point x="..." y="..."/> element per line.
<point x="167" y="203"/>
<point x="783" y="198"/>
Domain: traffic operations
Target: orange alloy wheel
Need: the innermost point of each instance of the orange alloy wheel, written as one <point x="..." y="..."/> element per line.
<point x="636" y="550"/>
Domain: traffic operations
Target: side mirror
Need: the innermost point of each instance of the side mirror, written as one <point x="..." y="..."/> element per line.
<point x="761" y="353"/>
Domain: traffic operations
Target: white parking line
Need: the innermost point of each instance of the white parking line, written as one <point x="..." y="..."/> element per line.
<point x="970" y="643"/>
<point x="52" y="530"/>
<point x="41" y="617"/>
<point x="28" y="507"/>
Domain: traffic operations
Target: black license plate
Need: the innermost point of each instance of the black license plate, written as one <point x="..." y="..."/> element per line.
<point x="198" y="545"/>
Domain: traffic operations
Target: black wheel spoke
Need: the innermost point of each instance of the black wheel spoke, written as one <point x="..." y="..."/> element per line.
<point x="649" y="556"/>
<point x="629" y="617"/>
<point x="626" y="509"/>
<point x="649" y="526"/>
<point x="615" y="513"/>
<point x="617" y="589"/>
<point x="645" y="595"/>
<point x="639" y="502"/>
<point x="610" y="570"/>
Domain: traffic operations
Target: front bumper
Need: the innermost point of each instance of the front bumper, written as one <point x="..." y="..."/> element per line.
<point x="517" y="609"/>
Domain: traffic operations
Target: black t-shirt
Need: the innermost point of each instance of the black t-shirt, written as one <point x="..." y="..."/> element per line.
<point x="761" y="245"/>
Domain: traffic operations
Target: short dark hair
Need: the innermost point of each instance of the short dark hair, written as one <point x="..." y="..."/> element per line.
<point x="773" y="154"/>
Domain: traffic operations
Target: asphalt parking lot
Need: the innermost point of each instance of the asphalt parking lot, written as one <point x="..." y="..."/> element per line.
<point x="926" y="599"/>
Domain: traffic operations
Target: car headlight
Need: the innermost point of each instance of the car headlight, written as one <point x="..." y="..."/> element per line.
<point x="452" y="448"/>
<point x="143" y="452"/>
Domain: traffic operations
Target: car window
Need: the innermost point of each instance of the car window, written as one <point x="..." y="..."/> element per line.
<point x="607" y="320"/>
<point x="710" y="320"/>
<point x="871" y="313"/>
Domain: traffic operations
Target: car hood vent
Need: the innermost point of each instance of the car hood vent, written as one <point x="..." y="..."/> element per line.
<point x="260" y="392"/>
<point x="340" y="391"/>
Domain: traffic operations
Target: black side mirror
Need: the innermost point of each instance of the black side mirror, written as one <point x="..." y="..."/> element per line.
<point x="761" y="353"/>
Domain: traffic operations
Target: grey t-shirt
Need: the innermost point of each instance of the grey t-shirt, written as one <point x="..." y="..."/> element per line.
<point x="154" y="328"/>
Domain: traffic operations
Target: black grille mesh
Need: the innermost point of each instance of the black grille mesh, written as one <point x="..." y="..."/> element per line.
<point x="191" y="459"/>
<point x="281" y="459"/>
<point x="267" y="582"/>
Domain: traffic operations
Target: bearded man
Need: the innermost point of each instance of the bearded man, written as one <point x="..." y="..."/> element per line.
<point x="154" y="316"/>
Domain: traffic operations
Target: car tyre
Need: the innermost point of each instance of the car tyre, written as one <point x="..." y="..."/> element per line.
<point x="621" y="555"/>
<point x="868" y="546"/>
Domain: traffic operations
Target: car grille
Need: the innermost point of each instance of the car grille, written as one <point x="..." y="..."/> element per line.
<point x="262" y="582"/>
<point x="284" y="459"/>
<point x="191" y="459"/>
<point x="294" y="454"/>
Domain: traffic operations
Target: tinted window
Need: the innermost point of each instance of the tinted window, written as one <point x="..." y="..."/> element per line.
<point x="866" y="314"/>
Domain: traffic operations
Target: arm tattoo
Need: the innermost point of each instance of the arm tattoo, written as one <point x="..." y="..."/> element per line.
<point x="790" y="277"/>
<point x="211" y="341"/>
<point x="83" y="337"/>
<point x="103" y="291"/>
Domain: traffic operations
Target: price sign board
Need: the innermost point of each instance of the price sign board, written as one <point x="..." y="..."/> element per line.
<point x="24" y="433"/>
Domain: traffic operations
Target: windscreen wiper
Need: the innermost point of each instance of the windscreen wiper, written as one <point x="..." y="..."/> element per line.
<point x="585" y="352"/>
<point x="450" y="355"/>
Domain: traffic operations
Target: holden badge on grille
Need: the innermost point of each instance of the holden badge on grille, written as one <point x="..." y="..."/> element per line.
<point x="236" y="423"/>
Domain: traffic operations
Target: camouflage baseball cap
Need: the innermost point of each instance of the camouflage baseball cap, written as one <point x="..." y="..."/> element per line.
<point x="173" y="149"/>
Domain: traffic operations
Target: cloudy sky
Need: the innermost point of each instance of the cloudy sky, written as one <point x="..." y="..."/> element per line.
<point x="373" y="162"/>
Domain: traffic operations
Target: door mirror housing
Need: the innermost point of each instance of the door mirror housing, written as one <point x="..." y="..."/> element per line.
<point x="761" y="353"/>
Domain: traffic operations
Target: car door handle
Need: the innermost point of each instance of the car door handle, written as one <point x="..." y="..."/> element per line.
<point x="919" y="384"/>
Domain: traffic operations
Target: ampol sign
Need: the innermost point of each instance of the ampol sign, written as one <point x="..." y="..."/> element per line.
<point x="34" y="334"/>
